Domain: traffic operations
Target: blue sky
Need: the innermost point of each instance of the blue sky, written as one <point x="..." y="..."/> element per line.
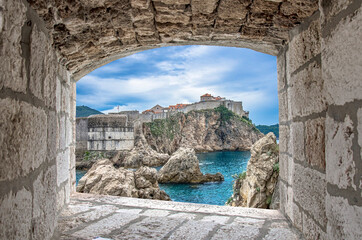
<point x="172" y="75"/>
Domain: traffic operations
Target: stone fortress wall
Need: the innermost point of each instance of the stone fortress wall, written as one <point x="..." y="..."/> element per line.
<point x="115" y="131"/>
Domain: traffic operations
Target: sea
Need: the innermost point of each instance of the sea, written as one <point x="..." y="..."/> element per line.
<point x="227" y="163"/>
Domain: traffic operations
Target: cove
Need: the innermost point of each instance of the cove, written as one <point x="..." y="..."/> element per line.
<point x="216" y="193"/>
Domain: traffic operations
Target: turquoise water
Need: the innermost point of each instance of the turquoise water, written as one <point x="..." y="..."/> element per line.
<point x="78" y="175"/>
<point x="228" y="163"/>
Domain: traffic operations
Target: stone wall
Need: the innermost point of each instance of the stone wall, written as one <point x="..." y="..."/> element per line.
<point x="37" y="100"/>
<point x="81" y="138"/>
<point x="110" y="133"/>
<point x="320" y="106"/>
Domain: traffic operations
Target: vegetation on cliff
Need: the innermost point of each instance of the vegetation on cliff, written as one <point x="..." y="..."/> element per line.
<point x="84" y="111"/>
<point x="203" y="130"/>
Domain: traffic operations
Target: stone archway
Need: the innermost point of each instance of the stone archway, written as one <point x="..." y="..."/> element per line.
<point x="47" y="45"/>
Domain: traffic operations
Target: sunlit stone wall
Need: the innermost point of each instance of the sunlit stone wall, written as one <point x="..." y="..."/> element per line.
<point x="320" y="102"/>
<point x="37" y="100"/>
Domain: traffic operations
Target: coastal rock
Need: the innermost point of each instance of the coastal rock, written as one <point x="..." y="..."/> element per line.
<point x="104" y="178"/>
<point x="183" y="167"/>
<point x="255" y="188"/>
<point x="204" y="131"/>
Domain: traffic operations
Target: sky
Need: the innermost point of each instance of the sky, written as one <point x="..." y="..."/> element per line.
<point x="171" y="75"/>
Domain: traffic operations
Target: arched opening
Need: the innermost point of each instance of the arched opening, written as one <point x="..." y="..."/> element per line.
<point x="173" y="79"/>
<point x="46" y="47"/>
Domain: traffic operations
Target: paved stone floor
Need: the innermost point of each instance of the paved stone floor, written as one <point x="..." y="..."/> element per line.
<point x="108" y="217"/>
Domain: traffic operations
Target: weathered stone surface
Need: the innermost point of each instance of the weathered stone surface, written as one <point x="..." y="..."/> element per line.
<point x="341" y="167"/>
<point x="332" y="8"/>
<point x="284" y="113"/>
<point x="284" y="136"/>
<point x="15" y="215"/>
<point x="84" y="36"/>
<point x="309" y="190"/>
<point x="341" y="46"/>
<point x="297" y="140"/>
<point x="256" y="187"/>
<point x="304" y="46"/>
<point x="12" y="63"/>
<point x="23" y="138"/>
<point x="315" y="143"/>
<point x="104" y="178"/>
<point x="359" y="129"/>
<point x="344" y="220"/>
<point x="63" y="162"/>
<point x="183" y="167"/>
<point x="312" y="230"/>
<point x="306" y="94"/>
<point x="44" y="209"/>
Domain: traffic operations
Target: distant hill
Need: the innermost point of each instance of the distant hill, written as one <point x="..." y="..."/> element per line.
<point x="266" y="129"/>
<point x="84" y="111"/>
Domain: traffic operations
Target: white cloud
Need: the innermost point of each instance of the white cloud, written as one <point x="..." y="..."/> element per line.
<point x="181" y="77"/>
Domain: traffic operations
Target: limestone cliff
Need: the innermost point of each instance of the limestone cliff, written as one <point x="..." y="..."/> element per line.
<point x="183" y="167"/>
<point x="255" y="187"/>
<point x="206" y="130"/>
<point x="104" y="178"/>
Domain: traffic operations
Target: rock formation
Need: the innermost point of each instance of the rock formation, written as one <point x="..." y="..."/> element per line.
<point x="104" y="178"/>
<point x="206" y="130"/>
<point x="183" y="167"/>
<point x="255" y="187"/>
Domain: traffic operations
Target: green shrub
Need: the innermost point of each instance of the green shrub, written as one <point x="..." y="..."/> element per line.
<point x="258" y="189"/>
<point x="276" y="167"/>
<point x="225" y="114"/>
<point x="92" y="155"/>
<point x="268" y="200"/>
<point x="239" y="176"/>
<point x="229" y="200"/>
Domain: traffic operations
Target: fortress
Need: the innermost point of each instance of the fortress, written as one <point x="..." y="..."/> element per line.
<point x="115" y="131"/>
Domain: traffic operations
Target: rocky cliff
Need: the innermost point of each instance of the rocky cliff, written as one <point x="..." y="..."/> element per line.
<point x="206" y="130"/>
<point x="183" y="167"/>
<point x="104" y="178"/>
<point x="255" y="187"/>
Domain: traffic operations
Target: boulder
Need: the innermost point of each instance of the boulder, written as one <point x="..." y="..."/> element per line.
<point x="255" y="188"/>
<point x="183" y="167"/>
<point x="103" y="178"/>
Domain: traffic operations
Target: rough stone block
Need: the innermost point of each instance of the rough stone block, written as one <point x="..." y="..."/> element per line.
<point x="62" y="167"/>
<point x="44" y="204"/>
<point x="62" y="133"/>
<point x="331" y="8"/>
<point x="281" y="68"/>
<point x="141" y="4"/>
<point x="69" y="132"/>
<point x="309" y="188"/>
<point x="315" y="143"/>
<point x="283" y="107"/>
<point x="23" y="138"/>
<point x="65" y="99"/>
<point x="283" y="166"/>
<point x="60" y="199"/>
<point x="38" y="61"/>
<point x="342" y="60"/>
<point x="297" y="140"/>
<point x="306" y="94"/>
<point x="359" y="129"/>
<point x="203" y="7"/>
<point x="341" y="167"/>
<point x="12" y="64"/>
<point x="283" y="197"/>
<point x="193" y="230"/>
<point x="304" y="46"/>
<point x="52" y="134"/>
<point x="58" y="94"/>
<point x="291" y="170"/>
<point x="229" y="9"/>
<point x="15" y="215"/>
<point x="311" y="230"/>
<point x="344" y="220"/>
<point x="283" y="138"/>
<point x="289" y="203"/>
<point x="297" y="217"/>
